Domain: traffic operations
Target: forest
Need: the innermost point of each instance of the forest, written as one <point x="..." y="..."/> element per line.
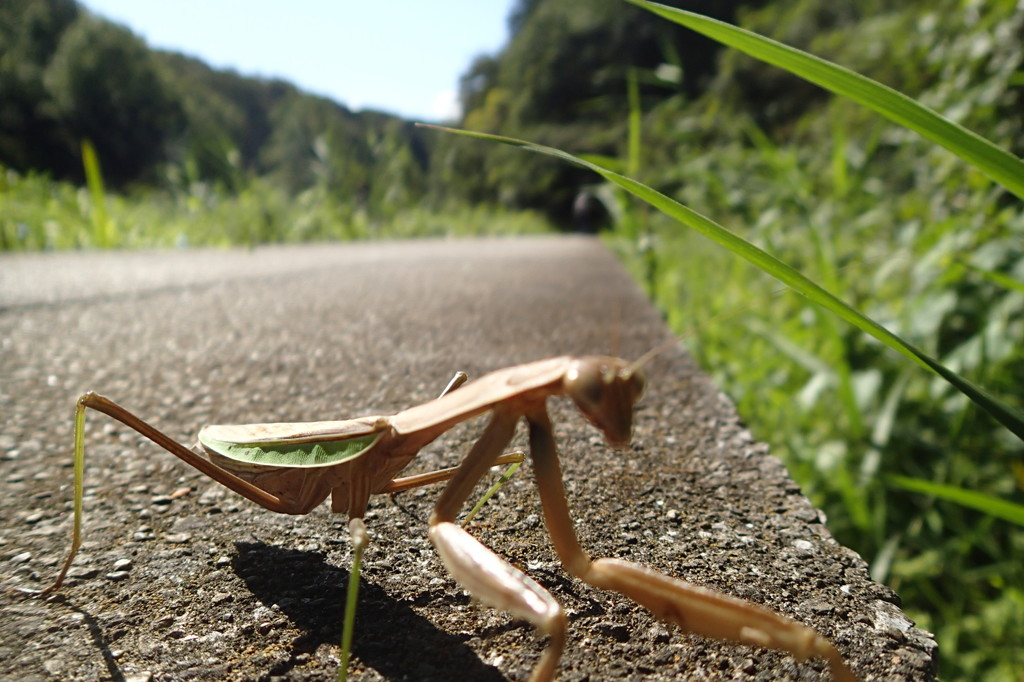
<point x="106" y="143"/>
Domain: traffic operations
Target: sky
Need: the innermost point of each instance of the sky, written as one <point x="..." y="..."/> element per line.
<point x="403" y="56"/>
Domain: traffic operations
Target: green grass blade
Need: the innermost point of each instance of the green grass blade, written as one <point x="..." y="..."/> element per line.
<point x="512" y="468"/>
<point x="993" y="506"/>
<point x="102" y="226"/>
<point x="1006" y="415"/>
<point x="994" y="276"/>
<point x="357" y="533"/>
<point x="998" y="164"/>
<point x="635" y="124"/>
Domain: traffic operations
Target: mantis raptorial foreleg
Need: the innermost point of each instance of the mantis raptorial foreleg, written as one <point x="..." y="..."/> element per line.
<point x="695" y="609"/>
<point x="497" y="583"/>
<point x="487" y="576"/>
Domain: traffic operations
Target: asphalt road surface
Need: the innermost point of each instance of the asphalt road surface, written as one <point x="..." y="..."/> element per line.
<point x="180" y="579"/>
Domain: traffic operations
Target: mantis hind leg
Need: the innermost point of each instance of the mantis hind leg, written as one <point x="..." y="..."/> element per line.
<point x="357" y="531"/>
<point x="76" y="532"/>
<point x="695" y="609"/>
<point x="355" y="503"/>
<point x="110" y="408"/>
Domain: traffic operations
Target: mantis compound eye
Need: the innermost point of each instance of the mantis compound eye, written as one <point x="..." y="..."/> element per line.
<point x="635" y="381"/>
<point x="604" y="389"/>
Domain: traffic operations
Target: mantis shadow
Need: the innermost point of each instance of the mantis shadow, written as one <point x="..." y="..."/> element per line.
<point x="390" y="637"/>
<point x="96" y="633"/>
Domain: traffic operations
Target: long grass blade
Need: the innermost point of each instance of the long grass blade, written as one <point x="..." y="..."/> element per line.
<point x="993" y="506"/>
<point x="1006" y="415"/>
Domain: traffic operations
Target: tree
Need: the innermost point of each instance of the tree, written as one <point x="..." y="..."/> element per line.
<point x="105" y="86"/>
<point x="30" y="135"/>
<point x="563" y="79"/>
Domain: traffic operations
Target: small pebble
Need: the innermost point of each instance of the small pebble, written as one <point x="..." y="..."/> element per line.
<point x="83" y="572"/>
<point x="177" y="538"/>
<point x="660" y="634"/>
<point x="21" y="558"/>
<point x="117" y="576"/>
<point x="803" y="545"/>
<point x="616" y="631"/>
<point x="122" y="564"/>
<point x="163" y="622"/>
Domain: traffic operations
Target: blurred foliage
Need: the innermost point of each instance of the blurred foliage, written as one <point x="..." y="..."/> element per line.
<point x="162" y="119"/>
<point x="30" y="133"/>
<point x="39" y="214"/>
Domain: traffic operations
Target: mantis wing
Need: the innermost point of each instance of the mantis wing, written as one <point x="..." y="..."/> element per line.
<point x="309" y="444"/>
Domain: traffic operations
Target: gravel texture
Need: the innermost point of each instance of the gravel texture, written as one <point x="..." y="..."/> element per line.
<point x="180" y="579"/>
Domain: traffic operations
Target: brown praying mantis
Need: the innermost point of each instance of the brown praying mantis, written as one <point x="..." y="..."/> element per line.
<point x="292" y="468"/>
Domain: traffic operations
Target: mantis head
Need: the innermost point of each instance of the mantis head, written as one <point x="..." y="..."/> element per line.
<point x="605" y="390"/>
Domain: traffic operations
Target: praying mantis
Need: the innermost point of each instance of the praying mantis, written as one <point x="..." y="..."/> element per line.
<point x="292" y="468"/>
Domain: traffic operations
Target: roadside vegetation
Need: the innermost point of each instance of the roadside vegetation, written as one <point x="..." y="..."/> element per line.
<point x="904" y="232"/>
<point x="911" y="473"/>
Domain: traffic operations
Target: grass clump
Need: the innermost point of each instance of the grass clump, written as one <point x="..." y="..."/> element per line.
<point x="42" y="214"/>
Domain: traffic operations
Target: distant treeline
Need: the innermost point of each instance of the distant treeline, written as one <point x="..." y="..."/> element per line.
<point x="156" y="117"/>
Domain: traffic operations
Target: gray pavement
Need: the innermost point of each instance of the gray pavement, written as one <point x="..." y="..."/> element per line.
<point x="180" y="579"/>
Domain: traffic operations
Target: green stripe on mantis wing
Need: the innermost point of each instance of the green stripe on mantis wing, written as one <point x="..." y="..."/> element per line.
<point x="294" y="453"/>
